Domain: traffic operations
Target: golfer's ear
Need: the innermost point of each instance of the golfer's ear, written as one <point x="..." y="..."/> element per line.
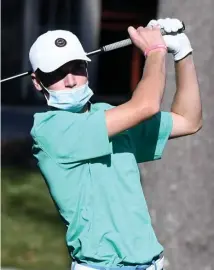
<point x="36" y="82"/>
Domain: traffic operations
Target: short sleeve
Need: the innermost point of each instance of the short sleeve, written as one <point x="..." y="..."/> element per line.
<point x="68" y="137"/>
<point x="149" y="138"/>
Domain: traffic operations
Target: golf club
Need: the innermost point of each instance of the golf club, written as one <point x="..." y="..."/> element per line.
<point x="107" y="48"/>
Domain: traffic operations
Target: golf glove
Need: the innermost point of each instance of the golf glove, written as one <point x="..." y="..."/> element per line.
<point x="177" y="43"/>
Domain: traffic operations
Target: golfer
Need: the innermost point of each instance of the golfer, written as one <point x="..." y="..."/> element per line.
<point x="88" y="153"/>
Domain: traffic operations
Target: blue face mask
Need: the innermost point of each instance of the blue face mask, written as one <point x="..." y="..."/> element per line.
<point x="73" y="100"/>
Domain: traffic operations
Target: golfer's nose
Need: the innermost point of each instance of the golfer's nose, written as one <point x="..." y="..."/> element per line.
<point x="70" y="80"/>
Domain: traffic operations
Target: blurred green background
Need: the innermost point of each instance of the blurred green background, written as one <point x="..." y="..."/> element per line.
<point x="33" y="235"/>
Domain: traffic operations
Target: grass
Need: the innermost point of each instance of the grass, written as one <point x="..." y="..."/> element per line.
<point x="33" y="235"/>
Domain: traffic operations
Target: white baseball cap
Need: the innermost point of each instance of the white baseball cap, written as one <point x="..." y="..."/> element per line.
<point x="55" y="48"/>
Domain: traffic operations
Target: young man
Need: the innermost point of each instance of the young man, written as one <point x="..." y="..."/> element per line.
<point x="88" y="153"/>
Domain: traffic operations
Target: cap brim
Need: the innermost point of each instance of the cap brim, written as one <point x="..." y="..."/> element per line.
<point x="51" y="67"/>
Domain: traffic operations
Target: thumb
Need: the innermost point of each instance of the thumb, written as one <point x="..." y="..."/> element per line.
<point x="132" y="32"/>
<point x="171" y="43"/>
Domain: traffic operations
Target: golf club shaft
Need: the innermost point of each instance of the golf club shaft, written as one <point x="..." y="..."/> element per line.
<point x="107" y="48"/>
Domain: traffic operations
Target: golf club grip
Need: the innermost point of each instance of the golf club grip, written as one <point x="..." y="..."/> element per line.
<point x="127" y="42"/>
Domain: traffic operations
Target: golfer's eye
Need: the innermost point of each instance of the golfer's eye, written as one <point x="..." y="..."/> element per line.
<point x="51" y="78"/>
<point x="78" y="68"/>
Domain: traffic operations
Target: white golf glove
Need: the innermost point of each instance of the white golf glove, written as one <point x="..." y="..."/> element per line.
<point x="177" y="44"/>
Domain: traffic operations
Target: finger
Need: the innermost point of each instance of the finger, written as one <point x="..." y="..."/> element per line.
<point x="161" y="22"/>
<point x="131" y="30"/>
<point x="176" y="25"/>
<point x="168" y="25"/>
<point x="152" y="23"/>
<point x="140" y="29"/>
<point x="133" y="33"/>
<point x="165" y="24"/>
<point x="169" y="41"/>
<point x="156" y="27"/>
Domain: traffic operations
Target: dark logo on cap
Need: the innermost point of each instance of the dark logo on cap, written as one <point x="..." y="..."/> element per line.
<point x="60" y="42"/>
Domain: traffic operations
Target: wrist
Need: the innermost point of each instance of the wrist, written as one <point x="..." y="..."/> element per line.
<point x="180" y="58"/>
<point x="156" y="53"/>
<point x="159" y="48"/>
<point x="184" y="48"/>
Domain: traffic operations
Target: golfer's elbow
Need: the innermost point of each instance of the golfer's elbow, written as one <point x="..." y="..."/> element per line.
<point x="195" y="128"/>
<point x="195" y="122"/>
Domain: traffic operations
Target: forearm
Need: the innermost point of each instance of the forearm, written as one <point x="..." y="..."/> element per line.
<point x="151" y="87"/>
<point x="187" y="100"/>
<point x="145" y="101"/>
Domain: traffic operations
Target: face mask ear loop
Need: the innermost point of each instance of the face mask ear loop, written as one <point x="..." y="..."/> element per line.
<point x="87" y="73"/>
<point x="86" y="68"/>
<point x="45" y="91"/>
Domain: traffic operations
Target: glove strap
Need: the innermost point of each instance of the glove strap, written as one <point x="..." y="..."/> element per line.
<point x="155" y="47"/>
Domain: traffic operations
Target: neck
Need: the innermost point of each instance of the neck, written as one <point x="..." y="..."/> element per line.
<point x="86" y="108"/>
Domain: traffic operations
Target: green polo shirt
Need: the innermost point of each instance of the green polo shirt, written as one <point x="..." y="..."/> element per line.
<point x="95" y="182"/>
